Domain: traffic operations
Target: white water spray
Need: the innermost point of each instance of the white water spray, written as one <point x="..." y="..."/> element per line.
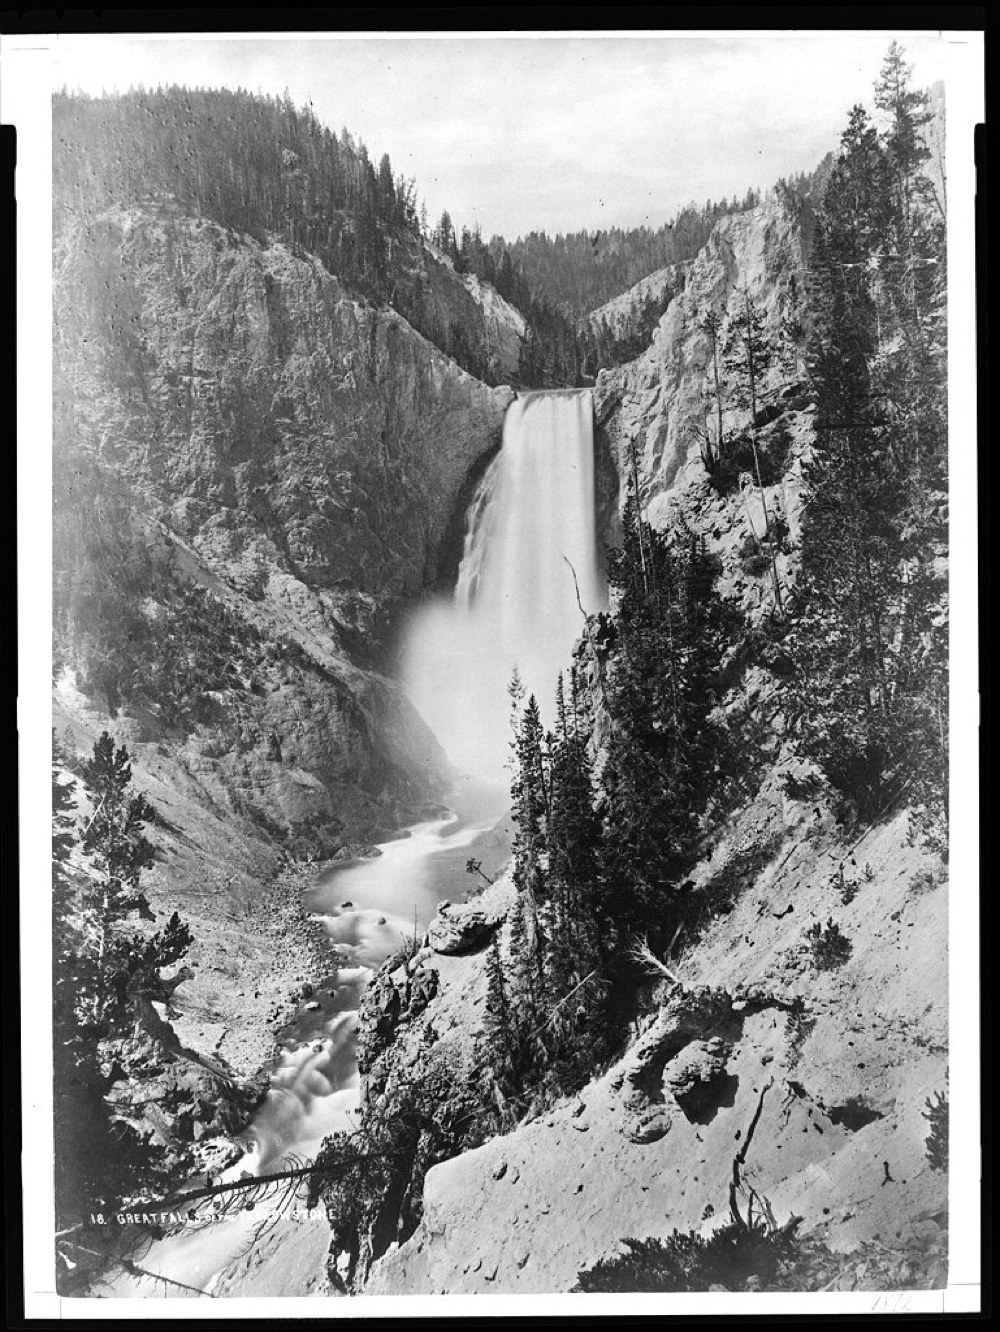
<point x="530" y="529"/>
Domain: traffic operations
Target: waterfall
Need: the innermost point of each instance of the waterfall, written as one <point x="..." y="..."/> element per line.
<point x="530" y="527"/>
<point x="514" y="604"/>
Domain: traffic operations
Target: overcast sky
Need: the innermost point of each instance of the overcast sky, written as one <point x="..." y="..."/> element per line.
<point x="559" y="133"/>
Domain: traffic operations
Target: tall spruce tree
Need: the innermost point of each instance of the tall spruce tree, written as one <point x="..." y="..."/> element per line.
<point x="106" y="973"/>
<point x="748" y="354"/>
<point x="869" y="642"/>
<point x="712" y="449"/>
<point x="86" y="1164"/>
<point x="661" y="759"/>
<point x="115" y="841"/>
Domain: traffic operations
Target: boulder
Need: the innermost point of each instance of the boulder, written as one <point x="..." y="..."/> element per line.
<point x="459" y="930"/>
<point x="697" y="1076"/>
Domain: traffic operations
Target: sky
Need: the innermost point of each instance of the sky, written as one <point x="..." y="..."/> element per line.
<point x="534" y="133"/>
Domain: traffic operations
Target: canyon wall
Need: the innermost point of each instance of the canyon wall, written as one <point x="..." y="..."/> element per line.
<point x="296" y="453"/>
<point x="652" y="412"/>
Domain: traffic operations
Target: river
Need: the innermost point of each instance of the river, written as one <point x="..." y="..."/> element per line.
<point x="368" y="908"/>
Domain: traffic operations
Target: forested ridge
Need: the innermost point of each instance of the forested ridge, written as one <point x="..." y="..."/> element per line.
<point x="264" y="167"/>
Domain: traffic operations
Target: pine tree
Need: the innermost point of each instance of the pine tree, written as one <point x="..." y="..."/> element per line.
<point x="712" y="450"/>
<point x="498" y="1023"/>
<point x="524" y="970"/>
<point x="869" y="640"/>
<point x="748" y="354"/>
<point x="107" y="974"/>
<point x="84" y="1149"/>
<point x="573" y="836"/>
<point x="530" y="807"/>
<point x="114" y="840"/>
<point x="661" y="757"/>
<point x="908" y="113"/>
<point x="386" y="190"/>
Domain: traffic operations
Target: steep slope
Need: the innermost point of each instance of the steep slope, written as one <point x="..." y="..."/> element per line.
<point x="617" y="312"/>
<point x="506" y="327"/>
<point x="261" y="167"/>
<point x="842" y="1059"/>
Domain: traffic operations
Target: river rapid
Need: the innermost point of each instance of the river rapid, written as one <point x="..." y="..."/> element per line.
<point x="368" y="908"/>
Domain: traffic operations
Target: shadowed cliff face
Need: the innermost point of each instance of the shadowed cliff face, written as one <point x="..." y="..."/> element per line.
<point x="296" y="453"/>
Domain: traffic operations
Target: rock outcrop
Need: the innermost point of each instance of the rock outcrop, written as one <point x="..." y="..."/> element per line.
<point x="654" y="407"/>
<point x="270" y="418"/>
<point x="459" y="929"/>
<point x="616" y="313"/>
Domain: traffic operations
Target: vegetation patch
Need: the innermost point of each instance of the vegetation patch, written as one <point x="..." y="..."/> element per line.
<point x="936" y="1113"/>
<point x="729" y="1259"/>
<point x="829" y="946"/>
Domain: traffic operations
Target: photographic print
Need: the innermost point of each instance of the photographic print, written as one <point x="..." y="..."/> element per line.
<point x="501" y="704"/>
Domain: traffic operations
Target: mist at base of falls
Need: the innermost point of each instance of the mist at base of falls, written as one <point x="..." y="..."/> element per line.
<point x="530" y="563"/>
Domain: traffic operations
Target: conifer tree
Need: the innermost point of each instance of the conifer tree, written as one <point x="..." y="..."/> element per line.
<point x="498" y="1022"/>
<point x="661" y="759"/>
<point x="712" y="450"/>
<point x="84" y="1157"/>
<point x="530" y="808"/>
<point x="869" y="642"/>
<point x="114" y="840"/>
<point x="105" y="975"/>
<point x="748" y="354"/>
<point x="907" y="112"/>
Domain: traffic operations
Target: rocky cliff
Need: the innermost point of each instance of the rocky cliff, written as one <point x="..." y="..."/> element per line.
<point x="617" y="312"/>
<point x="295" y="453"/>
<point x="654" y="410"/>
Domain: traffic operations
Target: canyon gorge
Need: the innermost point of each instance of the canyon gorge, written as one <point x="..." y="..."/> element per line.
<point x="321" y="542"/>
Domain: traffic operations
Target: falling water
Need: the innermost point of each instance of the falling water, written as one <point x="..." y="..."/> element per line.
<point x="529" y="569"/>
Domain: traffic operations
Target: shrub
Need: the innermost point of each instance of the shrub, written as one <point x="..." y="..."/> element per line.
<point x="829" y="945"/>
<point x="798" y="1025"/>
<point x="847" y="889"/>
<point x="754" y="558"/>
<point x="936" y="1113"/>
<point x="925" y="881"/>
<point x="686" y="1261"/>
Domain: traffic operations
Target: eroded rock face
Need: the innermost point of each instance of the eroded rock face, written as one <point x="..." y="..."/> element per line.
<point x="673" y="1057"/>
<point x="272" y="420"/>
